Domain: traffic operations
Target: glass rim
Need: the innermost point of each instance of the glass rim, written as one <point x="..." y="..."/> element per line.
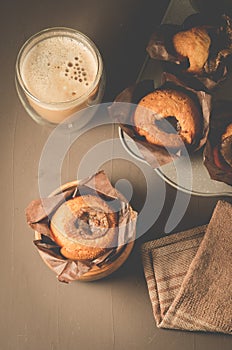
<point x="66" y="31"/>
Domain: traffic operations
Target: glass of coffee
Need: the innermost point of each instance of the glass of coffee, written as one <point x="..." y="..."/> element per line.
<point x="59" y="71"/>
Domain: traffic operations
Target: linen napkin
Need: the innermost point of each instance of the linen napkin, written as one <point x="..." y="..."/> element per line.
<point x="189" y="275"/>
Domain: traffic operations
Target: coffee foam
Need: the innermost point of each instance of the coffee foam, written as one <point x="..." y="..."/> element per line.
<point x="59" y="69"/>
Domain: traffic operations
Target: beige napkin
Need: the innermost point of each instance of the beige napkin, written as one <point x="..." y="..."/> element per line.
<point x="189" y="276"/>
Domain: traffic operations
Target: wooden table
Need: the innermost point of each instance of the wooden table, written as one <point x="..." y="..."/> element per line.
<point x="38" y="312"/>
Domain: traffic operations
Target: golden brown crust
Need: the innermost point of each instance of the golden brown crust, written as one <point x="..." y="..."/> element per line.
<point x="193" y="44"/>
<point x="228" y="132"/>
<point x="85" y="227"/>
<point x="157" y="107"/>
<point x="225" y="146"/>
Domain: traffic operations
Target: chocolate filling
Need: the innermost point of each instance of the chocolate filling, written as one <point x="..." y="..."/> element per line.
<point x="82" y="225"/>
<point x="92" y="224"/>
<point x="169" y="125"/>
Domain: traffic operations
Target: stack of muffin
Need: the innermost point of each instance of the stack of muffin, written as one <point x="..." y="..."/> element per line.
<point x="180" y="114"/>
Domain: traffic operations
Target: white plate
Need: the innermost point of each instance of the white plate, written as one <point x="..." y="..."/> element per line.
<point x="194" y="181"/>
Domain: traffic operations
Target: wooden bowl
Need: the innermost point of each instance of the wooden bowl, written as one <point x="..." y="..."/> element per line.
<point x="96" y="272"/>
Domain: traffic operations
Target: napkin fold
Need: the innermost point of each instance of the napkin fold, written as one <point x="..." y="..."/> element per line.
<point x="189" y="275"/>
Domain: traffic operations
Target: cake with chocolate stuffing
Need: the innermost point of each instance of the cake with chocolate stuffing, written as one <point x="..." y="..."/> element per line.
<point x="168" y="118"/>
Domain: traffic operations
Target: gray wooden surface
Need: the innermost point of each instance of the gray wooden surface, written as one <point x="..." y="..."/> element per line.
<point x="36" y="311"/>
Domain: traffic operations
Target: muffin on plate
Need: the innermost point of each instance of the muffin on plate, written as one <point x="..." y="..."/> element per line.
<point x="218" y="150"/>
<point x="169" y="118"/>
<point x="194" y="45"/>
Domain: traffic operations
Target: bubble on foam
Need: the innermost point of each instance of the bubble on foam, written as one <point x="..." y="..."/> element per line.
<point x="53" y="64"/>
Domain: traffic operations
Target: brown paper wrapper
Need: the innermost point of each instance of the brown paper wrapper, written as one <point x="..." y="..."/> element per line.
<point x="123" y="114"/>
<point x="221" y="117"/>
<point x="160" y="47"/>
<point x="39" y="213"/>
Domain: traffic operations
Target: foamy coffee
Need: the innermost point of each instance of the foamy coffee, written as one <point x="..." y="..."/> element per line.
<point x="60" y="70"/>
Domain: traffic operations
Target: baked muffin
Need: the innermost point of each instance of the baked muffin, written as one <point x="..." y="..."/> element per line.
<point x="217" y="156"/>
<point x="193" y="44"/>
<point x="222" y="151"/>
<point x="168" y="118"/>
<point x="85" y="227"/>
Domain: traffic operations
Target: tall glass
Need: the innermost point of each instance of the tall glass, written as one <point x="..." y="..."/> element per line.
<point x="59" y="71"/>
